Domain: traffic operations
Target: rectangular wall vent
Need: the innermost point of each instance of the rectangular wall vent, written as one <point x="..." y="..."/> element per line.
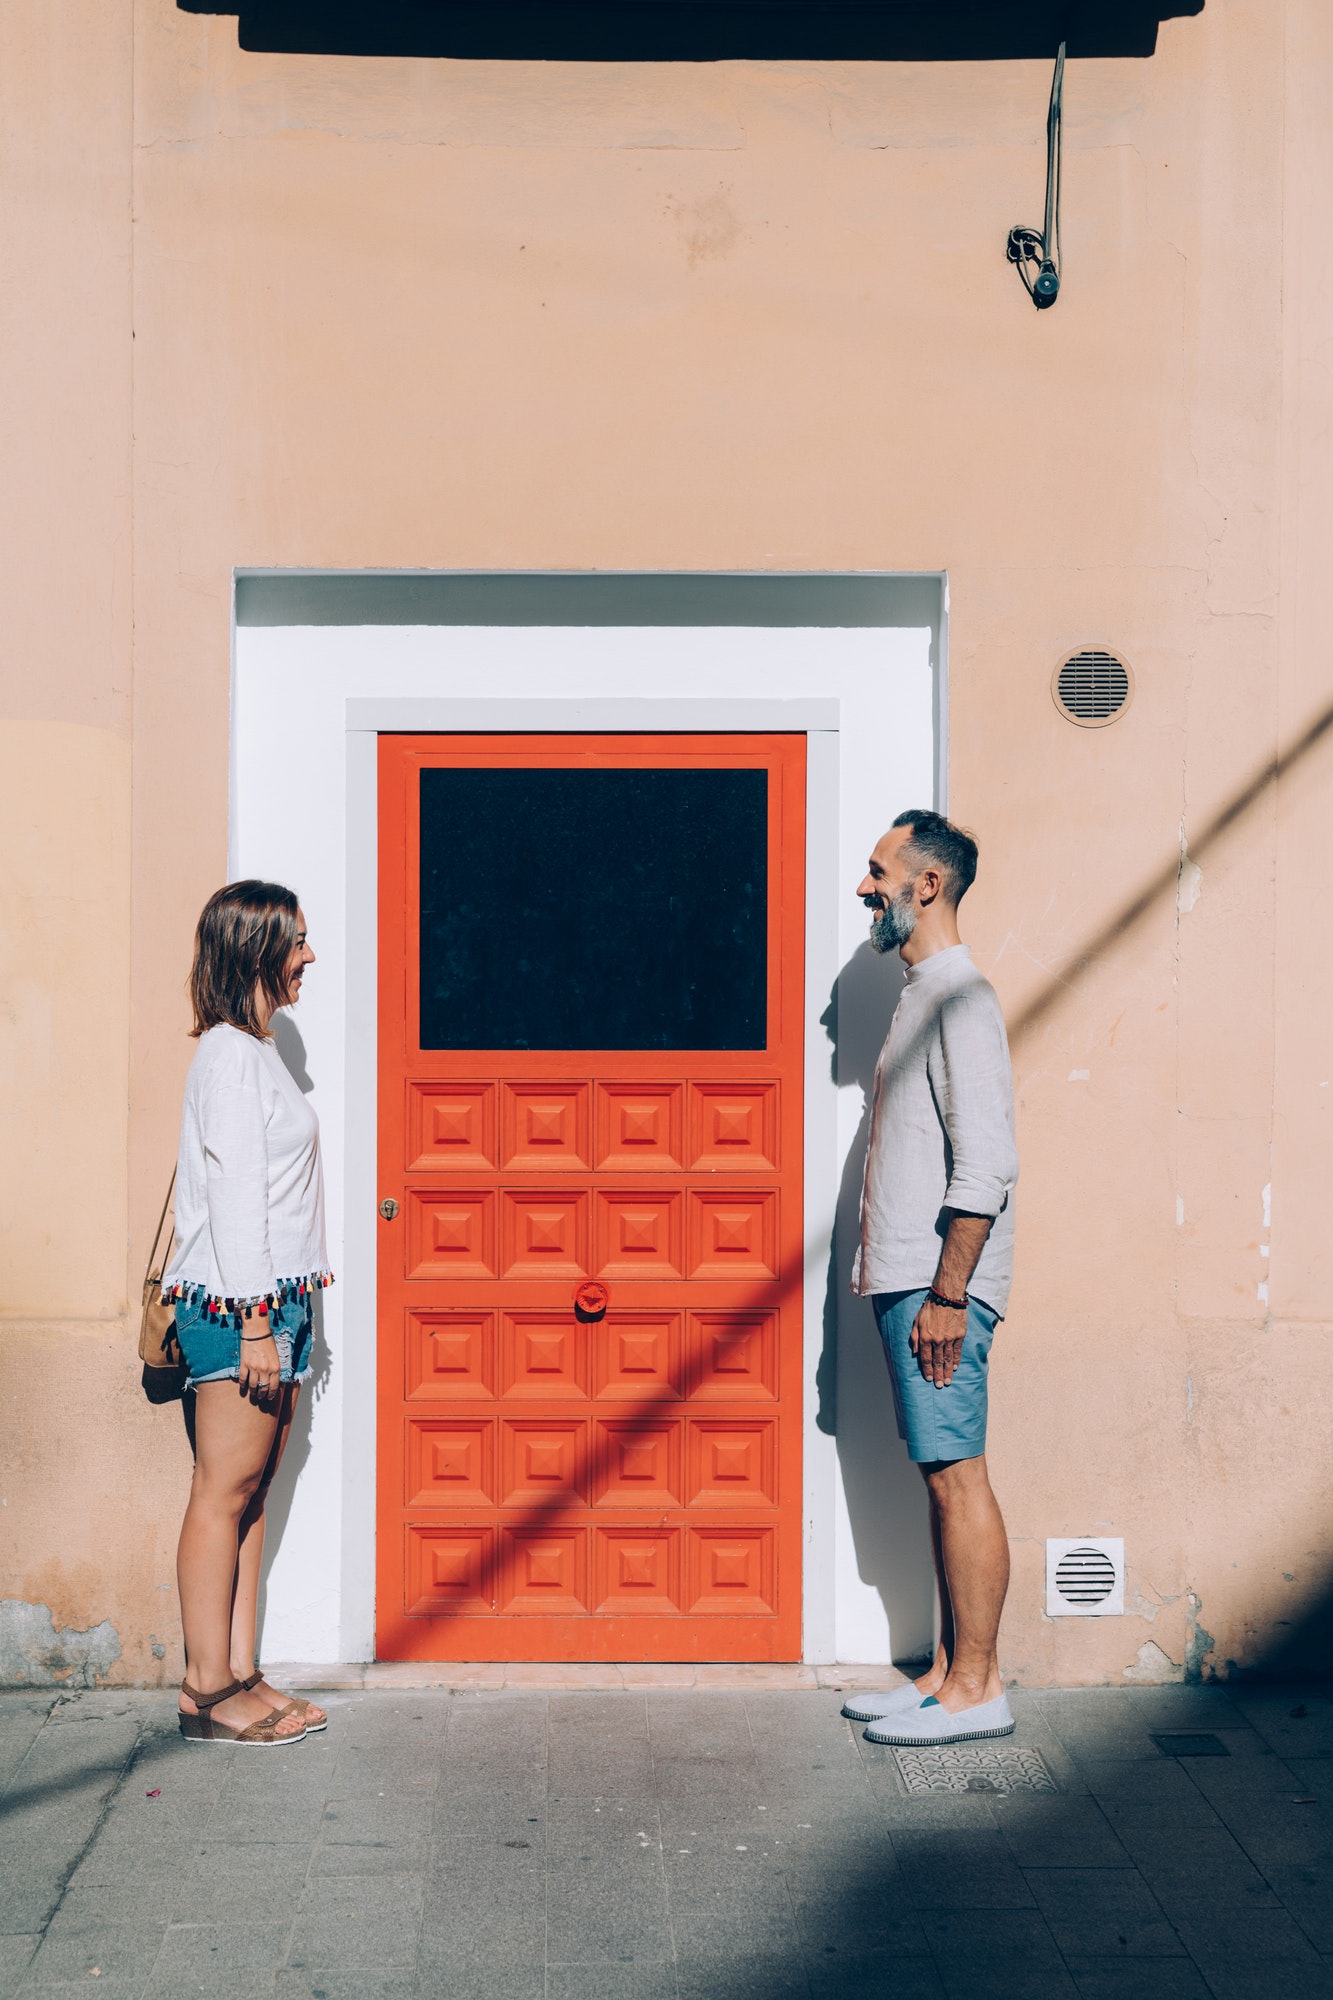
<point x="1085" y="1576"/>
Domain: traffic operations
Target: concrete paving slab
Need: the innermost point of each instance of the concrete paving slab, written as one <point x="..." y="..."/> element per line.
<point x="366" y="1920"/>
<point x="16" y="1950"/>
<point x="1254" y="1980"/>
<point x="220" y="1961"/>
<point x="125" y="1952"/>
<point x="875" y="1976"/>
<point x="340" y="1982"/>
<point x="1125" y="1978"/>
<point x="1058" y="1832"/>
<point x="32" y="1881"/>
<point x="610" y="1982"/>
<point x="1099" y="1911"/>
<point x="446" y="1972"/>
<point x="711" y="1978"/>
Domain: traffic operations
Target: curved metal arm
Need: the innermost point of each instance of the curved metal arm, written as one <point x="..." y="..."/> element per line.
<point x="1041" y="247"/>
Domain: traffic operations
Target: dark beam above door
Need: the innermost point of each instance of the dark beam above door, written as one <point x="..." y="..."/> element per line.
<point x="686" y="31"/>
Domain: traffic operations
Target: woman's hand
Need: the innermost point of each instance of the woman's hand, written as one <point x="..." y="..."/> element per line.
<point x="261" y="1371"/>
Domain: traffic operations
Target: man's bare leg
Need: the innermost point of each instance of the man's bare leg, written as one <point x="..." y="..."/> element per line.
<point x="937" y="1672"/>
<point x="972" y="1552"/>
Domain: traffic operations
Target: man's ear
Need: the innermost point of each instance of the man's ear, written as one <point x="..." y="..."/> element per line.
<point x="928" y="886"/>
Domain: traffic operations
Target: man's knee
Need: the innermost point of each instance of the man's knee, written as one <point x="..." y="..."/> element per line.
<point x="951" y="1480"/>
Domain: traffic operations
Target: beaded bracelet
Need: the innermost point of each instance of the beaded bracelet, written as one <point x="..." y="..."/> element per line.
<point x="954" y="1305"/>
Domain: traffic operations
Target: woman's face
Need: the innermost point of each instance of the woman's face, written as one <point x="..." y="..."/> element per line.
<point x="301" y="957"/>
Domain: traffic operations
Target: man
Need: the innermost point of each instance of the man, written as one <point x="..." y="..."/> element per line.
<point x="936" y="1258"/>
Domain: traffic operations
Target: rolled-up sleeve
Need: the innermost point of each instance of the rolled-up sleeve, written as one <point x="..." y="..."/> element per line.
<point x="972" y="1082"/>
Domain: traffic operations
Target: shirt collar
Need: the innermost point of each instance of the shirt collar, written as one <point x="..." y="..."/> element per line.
<point x="926" y="968"/>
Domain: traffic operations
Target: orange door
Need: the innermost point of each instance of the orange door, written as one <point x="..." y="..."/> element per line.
<point x="591" y="977"/>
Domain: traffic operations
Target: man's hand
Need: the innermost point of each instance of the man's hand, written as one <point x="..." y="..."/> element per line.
<point x="938" y="1333"/>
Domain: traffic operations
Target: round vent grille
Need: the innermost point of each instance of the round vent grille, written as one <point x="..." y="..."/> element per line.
<point x="1092" y="687"/>
<point x="1085" y="1576"/>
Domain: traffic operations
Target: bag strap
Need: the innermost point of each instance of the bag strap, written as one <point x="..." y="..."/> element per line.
<point x="161" y="1223"/>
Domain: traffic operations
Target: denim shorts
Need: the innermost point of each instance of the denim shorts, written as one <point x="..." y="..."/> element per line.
<point x="212" y="1347"/>
<point x="937" y="1425"/>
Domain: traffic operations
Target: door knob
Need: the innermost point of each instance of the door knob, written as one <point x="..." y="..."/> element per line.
<point x="388" y="1208"/>
<point x="591" y="1300"/>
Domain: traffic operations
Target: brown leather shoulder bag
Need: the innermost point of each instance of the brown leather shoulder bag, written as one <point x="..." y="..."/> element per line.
<point x="164" y="1369"/>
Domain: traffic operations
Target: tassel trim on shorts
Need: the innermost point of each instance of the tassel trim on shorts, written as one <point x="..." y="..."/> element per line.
<point x="221" y="1311"/>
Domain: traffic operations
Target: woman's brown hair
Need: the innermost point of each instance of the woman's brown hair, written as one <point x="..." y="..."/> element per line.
<point x="242" y="947"/>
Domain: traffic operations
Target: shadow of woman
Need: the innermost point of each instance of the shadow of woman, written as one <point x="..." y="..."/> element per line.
<point x="886" y="1501"/>
<point x="279" y="1504"/>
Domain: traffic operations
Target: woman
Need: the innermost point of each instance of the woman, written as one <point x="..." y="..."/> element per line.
<point x="249" y="1258"/>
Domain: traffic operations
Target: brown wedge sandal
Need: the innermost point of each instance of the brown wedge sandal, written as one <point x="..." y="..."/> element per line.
<point x="201" y="1728"/>
<point x="296" y="1705"/>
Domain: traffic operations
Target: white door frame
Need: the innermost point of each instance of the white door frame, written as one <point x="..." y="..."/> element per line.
<point x="337" y="688"/>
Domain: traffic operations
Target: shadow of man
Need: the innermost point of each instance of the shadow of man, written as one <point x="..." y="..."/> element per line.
<point x="886" y="1501"/>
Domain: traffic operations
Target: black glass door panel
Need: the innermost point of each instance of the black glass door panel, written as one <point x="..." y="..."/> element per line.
<point x="594" y="909"/>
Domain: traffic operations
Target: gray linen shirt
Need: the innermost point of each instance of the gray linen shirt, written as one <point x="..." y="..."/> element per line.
<point x="941" y="1133"/>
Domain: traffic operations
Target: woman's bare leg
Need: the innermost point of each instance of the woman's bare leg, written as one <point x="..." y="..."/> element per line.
<point x="249" y="1559"/>
<point x="234" y="1438"/>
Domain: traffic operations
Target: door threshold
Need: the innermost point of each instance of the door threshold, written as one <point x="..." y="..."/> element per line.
<point x="469" y="1675"/>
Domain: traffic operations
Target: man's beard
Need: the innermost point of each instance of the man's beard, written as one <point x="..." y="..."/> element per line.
<point x="895" y="922"/>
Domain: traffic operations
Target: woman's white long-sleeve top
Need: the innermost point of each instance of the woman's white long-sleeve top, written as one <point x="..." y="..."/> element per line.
<point x="249" y="1191"/>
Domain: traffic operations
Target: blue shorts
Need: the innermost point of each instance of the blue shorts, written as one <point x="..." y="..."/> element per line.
<point x="212" y="1347"/>
<point x="936" y="1424"/>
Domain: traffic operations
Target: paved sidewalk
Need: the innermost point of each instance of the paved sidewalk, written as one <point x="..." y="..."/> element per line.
<point x="663" y="1844"/>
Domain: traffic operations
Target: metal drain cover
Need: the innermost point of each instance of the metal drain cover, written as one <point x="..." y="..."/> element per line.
<point x="1190" y="1743"/>
<point x="968" y="1768"/>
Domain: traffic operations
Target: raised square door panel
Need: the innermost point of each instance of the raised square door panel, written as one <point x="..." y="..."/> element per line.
<point x="544" y="1126"/>
<point x="450" y="1235"/>
<point x="588" y="1205"/>
<point x="639" y="1234"/>
<point x="543" y="1570"/>
<point x="450" y="1462"/>
<point x="637" y="1463"/>
<point x="733" y="1357"/>
<point x="543" y="1355"/>
<point x="448" y="1571"/>
<point x="640" y="1126"/>
<point x="544" y="1235"/>
<point x="734" y="1125"/>
<point x="637" y="1570"/>
<point x="450" y="1125"/>
<point x="637" y="1358"/>
<point x="450" y="1357"/>
<point x="733" y="1234"/>
<point x="543" y="1463"/>
<point x="732" y="1463"/>
<point x="731" y="1570"/>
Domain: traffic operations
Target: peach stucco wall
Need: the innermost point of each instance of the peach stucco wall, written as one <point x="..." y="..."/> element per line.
<point x="270" y="311"/>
